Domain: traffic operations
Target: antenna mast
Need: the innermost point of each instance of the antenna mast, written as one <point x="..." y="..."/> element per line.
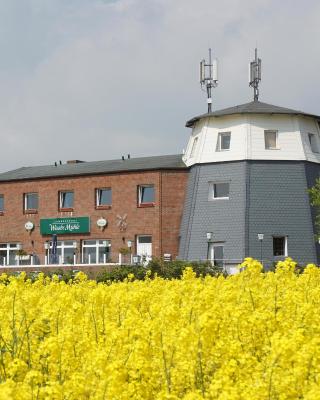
<point x="209" y="78"/>
<point x="255" y="75"/>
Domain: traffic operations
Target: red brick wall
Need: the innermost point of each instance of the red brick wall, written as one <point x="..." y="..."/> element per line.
<point x="163" y="218"/>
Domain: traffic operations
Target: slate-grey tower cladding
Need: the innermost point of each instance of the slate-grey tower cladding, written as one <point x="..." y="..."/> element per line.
<point x="269" y="156"/>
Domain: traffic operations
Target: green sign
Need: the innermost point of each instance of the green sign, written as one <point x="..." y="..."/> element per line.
<point x="62" y="226"/>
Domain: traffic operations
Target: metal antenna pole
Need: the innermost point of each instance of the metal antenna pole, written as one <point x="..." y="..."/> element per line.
<point x="209" y="78"/>
<point x="255" y="75"/>
<point x="209" y="85"/>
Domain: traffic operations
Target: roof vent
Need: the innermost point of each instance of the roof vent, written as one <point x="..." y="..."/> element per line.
<point x="74" y="161"/>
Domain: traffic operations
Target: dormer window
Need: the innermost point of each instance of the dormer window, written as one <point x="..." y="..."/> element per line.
<point x="271" y="140"/>
<point x="194" y="145"/>
<point x="313" y="142"/>
<point x="224" y="140"/>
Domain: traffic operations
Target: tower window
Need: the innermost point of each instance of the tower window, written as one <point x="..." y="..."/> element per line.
<point x="280" y="246"/>
<point x="313" y="142"/>
<point x="219" y="191"/>
<point x="194" y="145"/>
<point x="224" y="140"/>
<point x="271" y="140"/>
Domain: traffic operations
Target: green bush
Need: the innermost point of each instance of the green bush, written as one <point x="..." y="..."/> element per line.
<point x="158" y="267"/>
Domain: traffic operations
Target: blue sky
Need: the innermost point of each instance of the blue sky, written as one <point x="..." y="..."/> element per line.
<point x="95" y="79"/>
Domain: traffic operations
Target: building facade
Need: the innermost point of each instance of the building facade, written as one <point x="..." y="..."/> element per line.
<point x="97" y="210"/>
<point x="250" y="170"/>
<point x="240" y="190"/>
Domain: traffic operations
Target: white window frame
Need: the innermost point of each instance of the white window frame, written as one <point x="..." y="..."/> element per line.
<point x="285" y="245"/>
<point x="313" y="142"/>
<point x="97" y="197"/>
<point x="211" y="251"/>
<point x="140" y="194"/>
<point x="194" y="146"/>
<point x="60" y="199"/>
<point x="266" y="131"/>
<point x="61" y="245"/>
<point x="7" y="247"/>
<point x="25" y="203"/>
<point x="220" y="136"/>
<point x="96" y="245"/>
<point x="212" y="193"/>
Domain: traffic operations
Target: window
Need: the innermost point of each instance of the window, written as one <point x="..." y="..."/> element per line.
<point x="1" y="204"/>
<point x="8" y="252"/>
<point x="103" y="197"/>
<point x="219" y="191"/>
<point x="96" y="251"/>
<point x="66" y="200"/>
<point x="194" y="145"/>
<point x="224" y="140"/>
<point x="280" y="246"/>
<point x="270" y="140"/>
<point x="31" y="202"/>
<point x="65" y="252"/>
<point x="313" y="142"/>
<point x="145" y="195"/>
<point x="215" y="253"/>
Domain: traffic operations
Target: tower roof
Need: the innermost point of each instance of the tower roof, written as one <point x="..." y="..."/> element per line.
<point x="254" y="107"/>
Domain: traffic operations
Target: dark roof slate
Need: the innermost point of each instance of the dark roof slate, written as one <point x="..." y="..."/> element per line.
<point x="95" y="168"/>
<point x="254" y="107"/>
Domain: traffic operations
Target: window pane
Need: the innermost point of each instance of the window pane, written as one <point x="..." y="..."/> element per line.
<point x="270" y="138"/>
<point x="104" y="197"/>
<point x="89" y="242"/>
<point x="31" y="201"/>
<point x="147" y="194"/>
<point x="68" y="254"/>
<point x="1" y="202"/>
<point x="194" y="145"/>
<point x="66" y="199"/>
<point x="218" y="255"/>
<point x="313" y="142"/>
<point x="89" y="251"/>
<point x="225" y="141"/>
<point x="145" y="239"/>
<point x="221" y="190"/>
<point x="279" y="246"/>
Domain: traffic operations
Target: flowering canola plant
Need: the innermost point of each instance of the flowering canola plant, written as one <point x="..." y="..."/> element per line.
<point x="252" y="335"/>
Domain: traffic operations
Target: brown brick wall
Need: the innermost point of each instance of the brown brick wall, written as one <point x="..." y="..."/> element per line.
<point x="161" y="221"/>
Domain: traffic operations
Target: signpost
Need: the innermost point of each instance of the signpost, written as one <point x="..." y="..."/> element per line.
<point x="64" y="226"/>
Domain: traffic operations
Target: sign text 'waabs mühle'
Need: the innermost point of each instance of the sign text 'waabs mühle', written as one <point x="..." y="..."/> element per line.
<point x="61" y="226"/>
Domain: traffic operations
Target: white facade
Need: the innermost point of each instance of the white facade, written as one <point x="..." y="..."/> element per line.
<point x="247" y="138"/>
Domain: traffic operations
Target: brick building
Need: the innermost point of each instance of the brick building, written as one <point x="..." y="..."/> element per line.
<point x="96" y="209"/>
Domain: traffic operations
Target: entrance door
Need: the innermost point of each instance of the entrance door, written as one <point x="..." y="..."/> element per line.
<point x="144" y="247"/>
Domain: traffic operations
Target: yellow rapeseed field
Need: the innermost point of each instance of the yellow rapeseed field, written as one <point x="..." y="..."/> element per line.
<point x="249" y="336"/>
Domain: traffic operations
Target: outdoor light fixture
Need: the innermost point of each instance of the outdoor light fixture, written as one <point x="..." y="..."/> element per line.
<point x="46" y="245"/>
<point x="260" y="236"/>
<point x="209" y="235"/>
<point x="75" y="244"/>
<point x="19" y="246"/>
<point x="129" y="243"/>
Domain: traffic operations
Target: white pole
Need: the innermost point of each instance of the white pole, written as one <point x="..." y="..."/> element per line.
<point x="31" y="258"/>
<point x="104" y="258"/>
<point x="45" y="260"/>
<point x="120" y="259"/>
<point x="74" y="259"/>
<point x="60" y="260"/>
<point x="89" y="258"/>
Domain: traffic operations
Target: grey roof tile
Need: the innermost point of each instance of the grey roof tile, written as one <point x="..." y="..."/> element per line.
<point x="254" y="107"/>
<point x="95" y="168"/>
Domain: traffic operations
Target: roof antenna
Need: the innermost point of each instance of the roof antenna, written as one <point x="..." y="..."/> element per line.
<point x="255" y="75"/>
<point x="209" y="77"/>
